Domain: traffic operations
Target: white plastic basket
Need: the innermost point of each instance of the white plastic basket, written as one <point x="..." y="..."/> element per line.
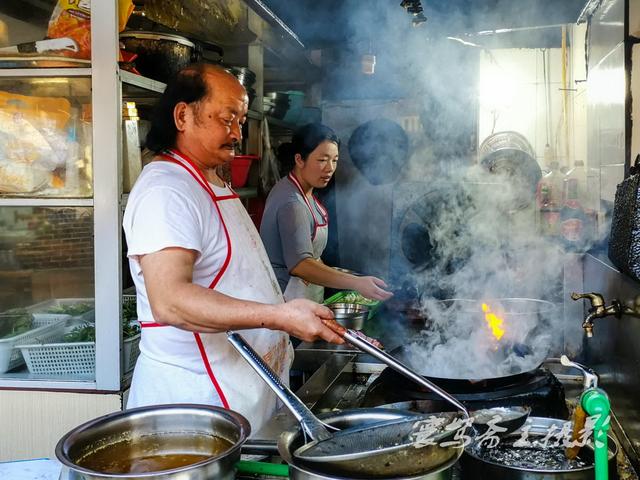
<point x="39" y="310"/>
<point x="74" y="358"/>
<point x="45" y="332"/>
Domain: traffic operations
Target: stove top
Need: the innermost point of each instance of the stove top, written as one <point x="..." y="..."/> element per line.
<point x="538" y="389"/>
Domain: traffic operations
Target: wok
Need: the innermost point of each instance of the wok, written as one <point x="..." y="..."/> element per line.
<point x="448" y="323"/>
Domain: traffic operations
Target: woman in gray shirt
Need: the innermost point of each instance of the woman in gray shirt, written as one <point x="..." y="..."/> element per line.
<point x="295" y="224"/>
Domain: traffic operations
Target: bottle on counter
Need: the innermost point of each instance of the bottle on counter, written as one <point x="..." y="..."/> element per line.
<point x="574" y="221"/>
<point x="549" y="199"/>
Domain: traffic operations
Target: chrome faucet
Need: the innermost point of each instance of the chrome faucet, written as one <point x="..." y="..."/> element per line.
<point x="600" y="310"/>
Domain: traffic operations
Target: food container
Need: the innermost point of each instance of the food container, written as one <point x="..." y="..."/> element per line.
<point x="485" y="466"/>
<point x="169" y="430"/>
<point x="240" y="166"/>
<point x="350" y="315"/>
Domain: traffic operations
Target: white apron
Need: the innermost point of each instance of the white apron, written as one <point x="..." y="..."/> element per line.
<point x="222" y="377"/>
<point x="297" y="287"/>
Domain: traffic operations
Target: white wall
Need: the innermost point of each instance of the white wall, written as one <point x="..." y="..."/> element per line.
<point x="512" y="94"/>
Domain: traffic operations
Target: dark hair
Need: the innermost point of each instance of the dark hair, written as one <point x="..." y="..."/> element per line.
<point x="305" y="140"/>
<point x="188" y="86"/>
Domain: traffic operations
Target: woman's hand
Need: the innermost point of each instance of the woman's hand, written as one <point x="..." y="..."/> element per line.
<point x="373" y="288"/>
<point x="303" y="319"/>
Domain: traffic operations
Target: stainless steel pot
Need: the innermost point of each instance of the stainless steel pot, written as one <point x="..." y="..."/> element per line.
<point x="163" y="422"/>
<point x="292" y="439"/>
<point x="484" y="469"/>
<point x="162" y="55"/>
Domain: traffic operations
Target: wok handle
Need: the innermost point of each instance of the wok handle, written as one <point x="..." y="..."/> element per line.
<point x="366" y="346"/>
<point x="311" y="425"/>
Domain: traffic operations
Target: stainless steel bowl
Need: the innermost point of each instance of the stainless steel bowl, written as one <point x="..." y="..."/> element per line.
<point x="350" y="315"/>
<point x="166" y="422"/>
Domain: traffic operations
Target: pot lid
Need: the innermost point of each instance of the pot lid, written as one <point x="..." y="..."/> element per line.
<point x="158" y="36"/>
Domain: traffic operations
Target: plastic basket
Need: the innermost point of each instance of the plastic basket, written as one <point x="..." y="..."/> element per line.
<point x="45" y="331"/>
<point x="74" y="358"/>
<point x="39" y="310"/>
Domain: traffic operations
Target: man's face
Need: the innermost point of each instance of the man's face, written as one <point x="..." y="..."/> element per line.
<point x="213" y="126"/>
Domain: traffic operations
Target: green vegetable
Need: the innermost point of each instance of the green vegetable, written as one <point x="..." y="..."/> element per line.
<point x="14" y="322"/>
<point x="82" y="333"/>
<point x="73" y="309"/>
<point x="87" y="331"/>
<point x="355" y="297"/>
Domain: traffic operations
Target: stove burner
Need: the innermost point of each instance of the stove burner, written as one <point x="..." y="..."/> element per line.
<point x="539" y="389"/>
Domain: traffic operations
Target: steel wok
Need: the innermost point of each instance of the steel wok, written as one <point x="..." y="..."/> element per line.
<point x="516" y="310"/>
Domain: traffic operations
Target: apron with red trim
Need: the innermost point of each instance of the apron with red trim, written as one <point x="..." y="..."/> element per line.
<point x="297" y="287"/>
<point x="223" y="378"/>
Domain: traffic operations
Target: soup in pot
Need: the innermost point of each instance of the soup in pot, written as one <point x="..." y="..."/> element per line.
<point x="153" y="453"/>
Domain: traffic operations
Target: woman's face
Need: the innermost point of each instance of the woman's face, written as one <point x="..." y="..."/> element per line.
<point x="319" y="166"/>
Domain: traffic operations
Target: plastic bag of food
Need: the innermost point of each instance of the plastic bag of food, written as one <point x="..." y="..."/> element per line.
<point x="72" y="19"/>
<point x="33" y="140"/>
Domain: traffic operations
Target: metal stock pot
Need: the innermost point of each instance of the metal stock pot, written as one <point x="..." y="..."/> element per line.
<point x="169" y="426"/>
<point x="290" y="440"/>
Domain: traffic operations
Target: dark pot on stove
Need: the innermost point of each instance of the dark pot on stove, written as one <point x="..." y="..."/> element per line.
<point x="480" y="465"/>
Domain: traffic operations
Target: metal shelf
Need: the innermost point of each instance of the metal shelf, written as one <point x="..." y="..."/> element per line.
<point x="141" y="82"/>
<point x="45" y="202"/>
<point x="45" y="72"/>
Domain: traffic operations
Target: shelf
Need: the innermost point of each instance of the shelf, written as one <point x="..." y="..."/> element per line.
<point x="247" y="192"/>
<point x="45" y="202"/>
<point x="45" y="72"/>
<point x="139" y="81"/>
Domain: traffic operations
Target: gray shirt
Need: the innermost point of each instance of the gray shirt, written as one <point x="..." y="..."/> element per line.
<point x="286" y="229"/>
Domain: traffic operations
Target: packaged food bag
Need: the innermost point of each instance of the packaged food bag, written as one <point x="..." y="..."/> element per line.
<point x="72" y="19"/>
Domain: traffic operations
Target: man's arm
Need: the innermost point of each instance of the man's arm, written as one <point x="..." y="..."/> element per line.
<point x="175" y="300"/>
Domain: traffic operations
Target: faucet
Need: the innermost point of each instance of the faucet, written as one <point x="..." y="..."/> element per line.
<point x="600" y="310"/>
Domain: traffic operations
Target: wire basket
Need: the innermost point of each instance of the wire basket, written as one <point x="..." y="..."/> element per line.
<point x="77" y="359"/>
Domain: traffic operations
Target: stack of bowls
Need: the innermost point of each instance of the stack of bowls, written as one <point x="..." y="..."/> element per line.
<point x="276" y="104"/>
<point x="247" y="78"/>
<point x="350" y="315"/>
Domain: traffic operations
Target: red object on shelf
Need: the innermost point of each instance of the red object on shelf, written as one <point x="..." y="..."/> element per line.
<point x="240" y="169"/>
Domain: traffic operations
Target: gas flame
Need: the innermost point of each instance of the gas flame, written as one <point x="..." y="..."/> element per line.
<point x="494" y="322"/>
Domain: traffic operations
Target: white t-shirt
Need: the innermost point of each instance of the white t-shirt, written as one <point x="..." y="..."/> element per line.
<point x="166" y="208"/>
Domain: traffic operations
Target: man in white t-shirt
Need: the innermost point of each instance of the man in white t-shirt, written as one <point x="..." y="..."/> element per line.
<point x="198" y="263"/>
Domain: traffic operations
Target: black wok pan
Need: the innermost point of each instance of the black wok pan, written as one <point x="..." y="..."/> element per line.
<point x="511" y="359"/>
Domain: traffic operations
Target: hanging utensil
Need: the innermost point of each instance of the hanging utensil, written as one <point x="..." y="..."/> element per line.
<point x="390" y="444"/>
<point x="367" y="346"/>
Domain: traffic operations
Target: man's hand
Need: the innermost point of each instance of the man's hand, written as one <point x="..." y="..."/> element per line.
<point x="373" y="287"/>
<point x="303" y="319"/>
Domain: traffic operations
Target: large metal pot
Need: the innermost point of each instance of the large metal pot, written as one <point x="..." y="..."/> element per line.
<point x="162" y="55"/>
<point x="170" y="425"/>
<point x="292" y="439"/>
<point x="484" y="469"/>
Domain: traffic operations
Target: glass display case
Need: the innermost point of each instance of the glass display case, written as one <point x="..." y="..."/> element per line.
<point x="61" y="322"/>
